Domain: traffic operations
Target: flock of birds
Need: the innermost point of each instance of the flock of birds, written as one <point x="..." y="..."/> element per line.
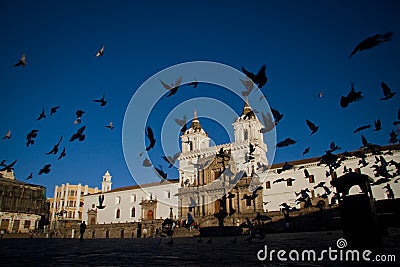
<point x="79" y="135"/>
<point x="330" y="160"/>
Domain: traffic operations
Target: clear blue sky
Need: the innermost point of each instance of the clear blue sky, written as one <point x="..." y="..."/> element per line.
<point x="304" y="44"/>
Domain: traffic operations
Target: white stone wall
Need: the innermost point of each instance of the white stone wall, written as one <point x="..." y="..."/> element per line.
<point x="280" y="192"/>
<point x="125" y="200"/>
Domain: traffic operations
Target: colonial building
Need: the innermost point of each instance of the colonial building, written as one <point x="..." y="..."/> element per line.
<point x="23" y="206"/>
<point x="284" y="186"/>
<point x="67" y="204"/>
<point x="218" y="182"/>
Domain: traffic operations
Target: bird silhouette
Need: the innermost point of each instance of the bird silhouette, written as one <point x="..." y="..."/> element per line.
<point x="320" y="184"/>
<point x="160" y="172"/>
<point x="150" y="135"/>
<point x="286" y="166"/>
<point x="287" y="142"/>
<point x="42" y="115"/>
<point x="306" y="173"/>
<point x="62" y="154"/>
<point x="101" y="201"/>
<point x="100" y="52"/>
<point x="30" y="176"/>
<point x="378" y="125"/>
<point x="306" y="150"/>
<point x="352" y="96"/>
<point x="312" y="127"/>
<point x="110" y="125"/>
<point x="182" y="122"/>
<point x="7" y="167"/>
<point x="277" y="115"/>
<point x="102" y="101"/>
<point x="146" y="163"/>
<point x="371" y="42"/>
<point x="45" y="170"/>
<point x="388" y="94"/>
<point x="7" y="135"/>
<point x="53" y="110"/>
<point x="194" y="83"/>
<point x="54" y="150"/>
<point x="173" y="88"/>
<point x="249" y="85"/>
<point x="31" y="136"/>
<point x="21" y="61"/>
<point x="171" y="160"/>
<point x="333" y="147"/>
<point x="260" y="78"/>
<point x="79" y="113"/>
<point x="78" y="135"/>
<point x="268" y="123"/>
<point x="278" y="180"/>
<point x="362" y="128"/>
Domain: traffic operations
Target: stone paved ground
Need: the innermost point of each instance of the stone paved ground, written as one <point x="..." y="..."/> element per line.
<point x="184" y="252"/>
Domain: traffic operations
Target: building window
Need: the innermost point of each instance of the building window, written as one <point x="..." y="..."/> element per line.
<point x="118" y="214"/>
<point x="289" y="182"/>
<point x="133" y="198"/>
<point x="117" y="200"/>
<point x="248" y="202"/>
<point x="246" y="134"/>
<point x="80" y="215"/>
<point x="93" y="205"/>
<point x="27" y="224"/>
<point x="81" y="204"/>
<point x="72" y="193"/>
<point x="70" y="214"/>
<point x="311" y="179"/>
<point x="167" y="194"/>
<point x="133" y="211"/>
<point x="267" y="185"/>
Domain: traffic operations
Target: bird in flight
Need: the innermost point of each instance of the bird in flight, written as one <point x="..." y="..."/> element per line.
<point x="249" y="85"/>
<point x="79" y="113"/>
<point x="393" y="137"/>
<point x="45" y="170"/>
<point x="173" y="88"/>
<point x="146" y="162"/>
<point x="110" y="125"/>
<point x="30" y="136"/>
<point x="21" y="61"/>
<point x="78" y="135"/>
<point x="100" y="52"/>
<point x="30" y="176"/>
<point x="306" y="150"/>
<point x="54" y="110"/>
<point x="102" y="101"/>
<point x="62" y="154"/>
<point x="277" y="115"/>
<point x="42" y="115"/>
<point x="268" y="123"/>
<point x="333" y="147"/>
<point x="260" y="78"/>
<point x="159" y="171"/>
<point x="182" y="123"/>
<point x="150" y="135"/>
<point x="288" y="141"/>
<point x="371" y="42"/>
<point x="353" y="96"/>
<point x="101" y="200"/>
<point x="54" y="150"/>
<point x="312" y="127"/>
<point x="7" y="167"/>
<point x="398" y="119"/>
<point x="378" y="125"/>
<point x="362" y="128"/>
<point x="387" y="92"/>
<point x="7" y="135"/>
<point x="194" y="83"/>
<point x="171" y="160"/>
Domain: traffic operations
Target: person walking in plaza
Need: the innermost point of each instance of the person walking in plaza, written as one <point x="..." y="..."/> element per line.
<point x="82" y="229"/>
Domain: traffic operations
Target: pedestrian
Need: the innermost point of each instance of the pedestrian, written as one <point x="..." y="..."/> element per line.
<point x="82" y="229"/>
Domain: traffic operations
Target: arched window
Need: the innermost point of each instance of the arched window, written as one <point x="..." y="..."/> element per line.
<point x="133" y="211"/>
<point x="117" y="213"/>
